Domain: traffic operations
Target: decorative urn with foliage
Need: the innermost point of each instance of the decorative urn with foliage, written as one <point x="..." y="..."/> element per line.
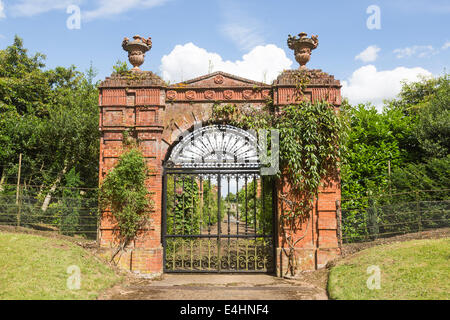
<point x="136" y="50"/>
<point x="302" y="47"/>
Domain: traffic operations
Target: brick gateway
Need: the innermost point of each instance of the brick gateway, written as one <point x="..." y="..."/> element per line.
<point x="158" y="115"/>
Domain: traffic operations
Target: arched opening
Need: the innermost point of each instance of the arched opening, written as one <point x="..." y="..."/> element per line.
<point x="218" y="213"/>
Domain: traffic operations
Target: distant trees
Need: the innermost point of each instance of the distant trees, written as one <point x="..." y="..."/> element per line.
<point x="412" y="134"/>
<point x="402" y="150"/>
<point x="51" y="117"/>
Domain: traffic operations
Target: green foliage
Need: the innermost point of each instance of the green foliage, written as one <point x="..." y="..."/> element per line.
<point x="431" y="175"/>
<point x="210" y="206"/>
<point x="124" y="192"/>
<point x="183" y="204"/>
<point x="410" y="131"/>
<point x="373" y="141"/>
<point x="50" y="116"/>
<point x="247" y="204"/>
<point x="264" y="212"/>
<point x="412" y="135"/>
<point x="121" y="67"/>
<point x="187" y="210"/>
<point x="426" y="103"/>
<point x="309" y="143"/>
<point x="309" y="146"/>
<point x="433" y="127"/>
<point x="71" y="204"/>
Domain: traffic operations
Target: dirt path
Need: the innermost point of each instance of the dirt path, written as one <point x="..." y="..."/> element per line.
<point x="215" y="287"/>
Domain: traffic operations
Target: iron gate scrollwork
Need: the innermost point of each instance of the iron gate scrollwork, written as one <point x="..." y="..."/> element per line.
<point x="218" y="210"/>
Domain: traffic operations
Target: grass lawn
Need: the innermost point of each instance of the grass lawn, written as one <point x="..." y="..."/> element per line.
<point x="35" y="267"/>
<point x="412" y="270"/>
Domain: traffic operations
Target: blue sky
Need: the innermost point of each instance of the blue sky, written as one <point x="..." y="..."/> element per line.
<point x="244" y="37"/>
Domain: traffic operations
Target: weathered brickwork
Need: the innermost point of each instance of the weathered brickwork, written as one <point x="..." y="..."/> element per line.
<point x="159" y="114"/>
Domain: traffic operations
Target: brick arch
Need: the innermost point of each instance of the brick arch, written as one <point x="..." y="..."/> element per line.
<point x="182" y="118"/>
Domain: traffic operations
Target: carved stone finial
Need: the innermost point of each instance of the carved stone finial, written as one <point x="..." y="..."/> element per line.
<point x="136" y="50"/>
<point x="302" y="47"/>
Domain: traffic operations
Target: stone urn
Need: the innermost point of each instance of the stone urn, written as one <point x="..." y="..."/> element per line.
<point x="136" y="49"/>
<point x="302" y="47"/>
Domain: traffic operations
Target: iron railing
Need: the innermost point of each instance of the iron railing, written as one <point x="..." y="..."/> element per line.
<point x="71" y="216"/>
<point x="217" y="220"/>
<point x="372" y="217"/>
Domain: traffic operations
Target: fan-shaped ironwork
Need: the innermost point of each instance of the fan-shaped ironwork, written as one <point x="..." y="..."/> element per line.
<point x="221" y="146"/>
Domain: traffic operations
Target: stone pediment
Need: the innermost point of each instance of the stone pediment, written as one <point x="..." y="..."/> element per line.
<point x="218" y="79"/>
<point x="218" y="86"/>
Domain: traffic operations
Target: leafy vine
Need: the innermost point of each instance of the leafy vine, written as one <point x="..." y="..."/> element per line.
<point x="309" y="154"/>
<point x="125" y="193"/>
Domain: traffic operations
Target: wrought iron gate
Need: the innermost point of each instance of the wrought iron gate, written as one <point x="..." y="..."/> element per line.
<point x="218" y="214"/>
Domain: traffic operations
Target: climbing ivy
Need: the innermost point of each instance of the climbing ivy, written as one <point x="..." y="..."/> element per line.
<point x="125" y="193"/>
<point x="309" y="141"/>
<point x="310" y="152"/>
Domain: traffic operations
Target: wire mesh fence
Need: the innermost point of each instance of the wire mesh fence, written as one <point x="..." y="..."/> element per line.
<point x="372" y="217"/>
<point x="70" y="211"/>
<point x="74" y="212"/>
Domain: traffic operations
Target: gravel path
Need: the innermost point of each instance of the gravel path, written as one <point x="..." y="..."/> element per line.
<point x="215" y="287"/>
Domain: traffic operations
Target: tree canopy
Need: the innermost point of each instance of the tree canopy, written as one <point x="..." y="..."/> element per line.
<point x="412" y="133"/>
<point x="48" y="115"/>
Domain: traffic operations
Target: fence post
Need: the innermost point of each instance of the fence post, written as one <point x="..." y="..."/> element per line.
<point x="339" y="223"/>
<point x="372" y="220"/>
<point x="18" y="201"/>
<point x="19" y="206"/>
<point x="419" y="214"/>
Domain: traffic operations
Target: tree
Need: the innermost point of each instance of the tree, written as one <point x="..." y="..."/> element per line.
<point x="411" y="135"/>
<point x="433" y="127"/>
<point x="51" y="117"/>
<point x="374" y="140"/>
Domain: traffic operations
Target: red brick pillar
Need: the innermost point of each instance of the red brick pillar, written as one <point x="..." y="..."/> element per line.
<point x="133" y="103"/>
<point x="317" y="233"/>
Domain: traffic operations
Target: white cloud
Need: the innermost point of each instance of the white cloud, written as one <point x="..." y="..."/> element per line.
<point x="103" y="8"/>
<point x="419" y="51"/>
<point x="245" y="37"/>
<point x="28" y="8"/>
<point x="369" y="85"/>
<point x="2" y="10"/>
<point x="240" y="25"/>
<point x="107" y="8"/>
<point x="370" y="54"/>
<point x="262" y="63"/>
<point x="446" y="45"/>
